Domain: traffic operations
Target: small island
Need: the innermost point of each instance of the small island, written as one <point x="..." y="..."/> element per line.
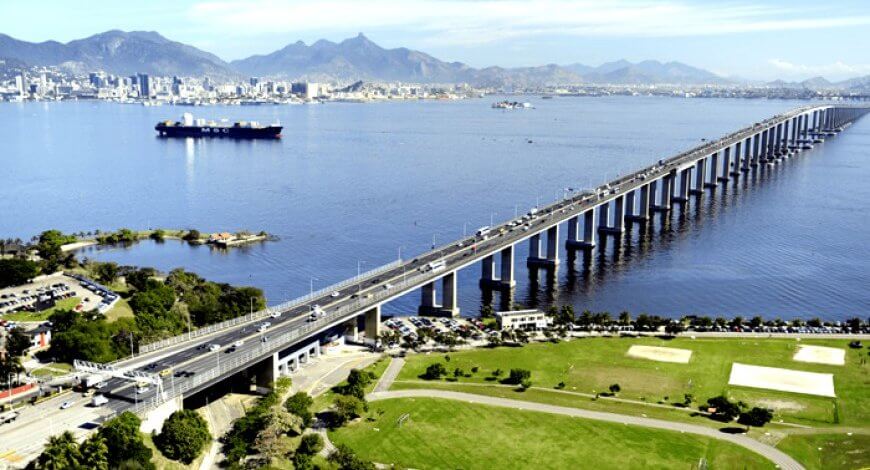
<point x="79" y="240"/>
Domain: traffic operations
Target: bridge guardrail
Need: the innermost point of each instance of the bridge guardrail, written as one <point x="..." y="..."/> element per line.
<point x="260" y="314"/>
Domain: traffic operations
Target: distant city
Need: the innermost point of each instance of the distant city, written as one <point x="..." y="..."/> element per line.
<point x="145" y="67"/>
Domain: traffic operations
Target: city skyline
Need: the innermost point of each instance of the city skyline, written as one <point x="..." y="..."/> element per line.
<point x="776" y="40"/>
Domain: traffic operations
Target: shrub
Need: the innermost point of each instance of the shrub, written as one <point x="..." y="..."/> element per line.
<point x="518" y="376"/>
<point x="435" y="371"/>
<point x="310" y="444"/>
<point x="299" y="404"/>
<point x="183" y="437"/>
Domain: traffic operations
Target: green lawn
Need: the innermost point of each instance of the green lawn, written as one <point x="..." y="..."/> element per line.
<point x="52" y="369"/>
<point x="121" y="309"/>
<point x="64" y="304"/>
<point x="325" y="399"/>
<point x="591" y="365"/>
<point x="829" y="451"/>
<point x="451" y="434"/>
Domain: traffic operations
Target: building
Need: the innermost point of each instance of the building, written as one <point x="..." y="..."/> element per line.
<point x="144" y="85"/>
<point x="306" y="90"/>
<point x="40" y="337"/>
<point x="527" y="320"/>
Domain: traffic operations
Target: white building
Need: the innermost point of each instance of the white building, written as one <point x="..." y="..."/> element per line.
<point x="528" y="320"/>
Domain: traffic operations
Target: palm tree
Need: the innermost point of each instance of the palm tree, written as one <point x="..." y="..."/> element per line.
<point x="60" y="453"/>
<point x="94" y="453"/>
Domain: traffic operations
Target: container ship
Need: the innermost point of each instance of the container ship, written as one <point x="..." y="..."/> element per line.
<point x="190" y="127"/>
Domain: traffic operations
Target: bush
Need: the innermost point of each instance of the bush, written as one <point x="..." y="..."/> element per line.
<point x="615" y="388"/>
<point x="192" y="235"/>
<point x="302" y="462"/>
<point x="310" y="444"/>
<point x="725" y="410"/>
<point x="757" y="417"/>
<point x="435" y="371"/>
<point x="124" y="442"/>
<point x="347" y="407"/>
<point x="14" y="272"/>
<point x="183" y="437"/>
<point x="345" y="459"/>
<point x="518" y="376"/>
<point x="158" y="235"/>
<point x="299" y="404"/>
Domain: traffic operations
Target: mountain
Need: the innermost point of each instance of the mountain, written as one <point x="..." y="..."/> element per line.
<point x="356" y="58"/>
<point x="651" y="72"/>
<point x="119" y="52"/>
<point x="857" y="84"/>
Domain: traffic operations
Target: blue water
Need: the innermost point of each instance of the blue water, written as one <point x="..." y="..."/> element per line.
<point x="350" y="185"/>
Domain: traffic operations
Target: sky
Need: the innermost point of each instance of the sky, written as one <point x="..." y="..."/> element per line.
<point x="759" y="40"/>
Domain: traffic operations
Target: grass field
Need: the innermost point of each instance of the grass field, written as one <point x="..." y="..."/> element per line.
<point x="451" y="434"/>
<point x="64" y="304"/>
<point x="325" y="399"/>
<point x="829" y="451"/>
<point x="121" y="309"/>
<point x="162" y="463"/>
<point x="591" y="365"/>
<point x="52" y="369"/>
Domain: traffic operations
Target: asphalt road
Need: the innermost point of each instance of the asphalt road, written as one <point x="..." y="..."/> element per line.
<point x="776" y="456"/>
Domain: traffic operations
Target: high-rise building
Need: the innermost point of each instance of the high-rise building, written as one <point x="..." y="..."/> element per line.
<point x="144" y="85"/>
<point x="19" y="84"/>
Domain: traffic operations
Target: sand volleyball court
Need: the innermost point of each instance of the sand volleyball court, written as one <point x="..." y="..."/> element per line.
<point x="821" y="355"/>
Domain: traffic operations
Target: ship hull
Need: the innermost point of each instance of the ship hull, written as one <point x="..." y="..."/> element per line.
<point x="231" y="132"/>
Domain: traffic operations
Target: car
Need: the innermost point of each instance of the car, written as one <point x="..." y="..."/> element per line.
<point x="141" y="389"/>
<point x="275" y="314"/>
<point x="335" y="294"/>
<point x="214" y="347"/>
<point x="388" y="286"/>
<point x="66" y="405"/>
<point x="238" y="343"/>
<point x="264" y="339"/>
<point x="263" y="327"/>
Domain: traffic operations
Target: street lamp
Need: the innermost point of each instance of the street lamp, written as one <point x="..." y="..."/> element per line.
<point x="359" y="264"/>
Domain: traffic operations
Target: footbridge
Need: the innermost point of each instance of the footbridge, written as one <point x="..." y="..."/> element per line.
<point x="178" y="367"/>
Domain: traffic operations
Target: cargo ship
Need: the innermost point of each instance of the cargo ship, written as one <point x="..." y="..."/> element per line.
<point x="190" y="127"/>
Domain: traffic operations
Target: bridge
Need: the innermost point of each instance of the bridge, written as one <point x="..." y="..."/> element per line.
<point x="155" y="382"/>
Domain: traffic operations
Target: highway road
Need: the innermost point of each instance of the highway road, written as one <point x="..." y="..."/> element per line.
<point x="350" y="300"/>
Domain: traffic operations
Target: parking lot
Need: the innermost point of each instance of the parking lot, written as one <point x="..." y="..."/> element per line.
<point x="28" y="297"/>
<point x="470" y="330"/>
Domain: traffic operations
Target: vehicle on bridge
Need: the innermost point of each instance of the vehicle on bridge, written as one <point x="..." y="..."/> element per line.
<point x="8" y="416"/>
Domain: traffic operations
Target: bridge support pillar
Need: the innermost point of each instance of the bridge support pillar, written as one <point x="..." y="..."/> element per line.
<point x="714" y="171"/>
<point x="665" y="196"/>
<point x="373" y="323"/>
<point x="351" y="329"/>
<point x="735" y="168"/>
<point x="643" y="205"/>
<point x="747" y="154"/>
<point x="507" y="280"/>
<point x="588" y="240"/>
<point x="700" y="171"/>
<point x="726" y="164"/>
<point x="551" y="258"/>
<point x="429" y="304"/>
<point x="683" y="195"/>
<point x="617" y="226"/>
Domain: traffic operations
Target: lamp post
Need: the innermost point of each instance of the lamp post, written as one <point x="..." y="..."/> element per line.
<point x="359" y="264"/>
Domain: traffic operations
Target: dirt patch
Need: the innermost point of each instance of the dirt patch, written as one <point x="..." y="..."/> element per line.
<point x="780" y="405"/>
<point x="655" y="353"/>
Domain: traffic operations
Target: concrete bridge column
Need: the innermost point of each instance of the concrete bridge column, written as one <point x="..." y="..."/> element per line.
<point x="795" y="122"/>
<point x="629" y="205"/>
<point x="762" y="154"/>
<point x="535" y="246"/>
<point x="427" y="300"/>
<point x="771" y="144"/>
<point x="588" y="240"/>
<point x="747" y="154"/>
<point x="603" y="216"/>
<point x="756" y="149"/>
<point x="618" y="225"/>
<point x="507" y="267"/>
<point x="488" y="269"/>
<point x="665" y="193"/>
<point x="726" y="164"/>
<point x="573" y="229"/>
<point x="738" y="159"/>
<point x="805" y="127"/>
<point x="449" y="301"/>
<point x="777" y="142"/>
<point x="552" y="250"/>
<point x="683" y="195"/>
<point x="714" y="170"/>
<point x="644" y="203"/>
<point x="351" y="329"/>
<point x="700" y="171"/>
<point x="373" y="323"/>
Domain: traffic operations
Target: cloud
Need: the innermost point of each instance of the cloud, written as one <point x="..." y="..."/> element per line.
<point x="832" y="70"/>
<point x="460" y="22"/>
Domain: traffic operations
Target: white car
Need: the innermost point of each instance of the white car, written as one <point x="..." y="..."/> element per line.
<point x="275" y="314"/>
<point x="238" y="343"/>
<point x="264" y="326"/>
<point x="141" y="390"/>
<point x="335" y="294"/>
<point x="214" y="347"/>
<point x="66" y="405"/>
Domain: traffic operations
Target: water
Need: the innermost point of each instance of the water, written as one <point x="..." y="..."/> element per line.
<point x="350" y="185"/>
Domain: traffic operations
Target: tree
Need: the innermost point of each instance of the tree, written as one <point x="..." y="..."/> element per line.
<point x="124" y="443"/>
<point x="139" y="278"/>
<point x="346" y="459"/>
<point x="757" y="417"/>
<point x="106" y="273"/>
<point x="624" y="318"/>
<point x="723" y="409"/>
<point x="487" y="311"/>
<point x="615" y="388"/>
<point x="435" y="371"/>
<point x="302" y="462"/>
<point x="278" y="422"/>
<point x="183" y="436"/>
<point x="517" y="376"/>
<point x="16" y="271"/>
<point x="95" y="453"/>
<point x="192" y="235"/>
<point x="17" y="343"/>
<point x="158" y="235"/>
<point x="60" y="453"/>
<point x="346" y="408"/>
<point x="300" y="405"/>
<point x="310" y="444"/>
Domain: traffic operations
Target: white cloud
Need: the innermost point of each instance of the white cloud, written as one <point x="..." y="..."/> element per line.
<point x="473" y="22"/>
<point x="833" y="70"/>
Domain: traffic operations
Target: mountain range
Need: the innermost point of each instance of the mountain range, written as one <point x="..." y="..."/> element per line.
<point x="356" y="58"/>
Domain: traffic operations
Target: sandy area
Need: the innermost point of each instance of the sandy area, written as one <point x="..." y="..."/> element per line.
<point x="784" y="380"/>
<point x="821" y="355"/>
<point x="655" y="353"/>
